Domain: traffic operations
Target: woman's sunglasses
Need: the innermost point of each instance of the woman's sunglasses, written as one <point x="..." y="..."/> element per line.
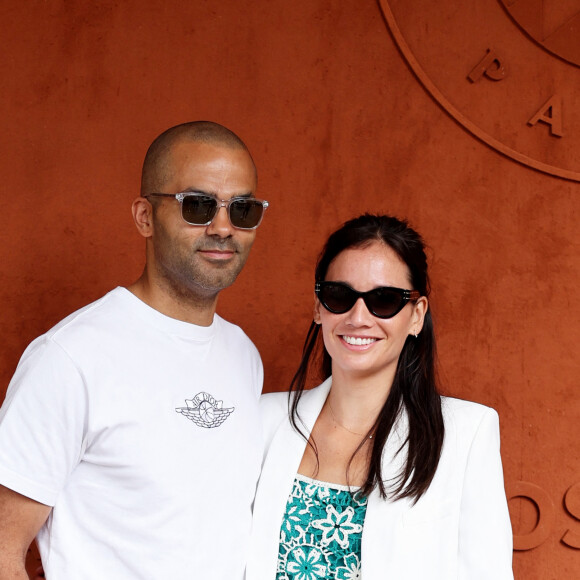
<point x="199" y="209"/>
<point x="384" y="302"/>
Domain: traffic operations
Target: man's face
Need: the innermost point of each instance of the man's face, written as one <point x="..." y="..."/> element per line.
<point x="202" y="260"/>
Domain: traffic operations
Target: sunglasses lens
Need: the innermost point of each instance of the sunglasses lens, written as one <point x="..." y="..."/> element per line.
<point x="246" y="213"/>
<point x="384" y="302"/>
<point x="337" y="298"/>
<point x="381" y="302"/>
<point x="198" y="210"/>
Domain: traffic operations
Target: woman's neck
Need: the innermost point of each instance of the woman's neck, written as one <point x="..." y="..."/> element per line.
<point x="355" y="402"/>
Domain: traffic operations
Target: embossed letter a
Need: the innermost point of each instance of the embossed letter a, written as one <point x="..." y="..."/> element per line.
<point x="550" y="113"/>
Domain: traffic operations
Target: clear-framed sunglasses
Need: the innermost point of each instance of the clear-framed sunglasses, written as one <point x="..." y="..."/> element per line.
<point x="199" y="209"/>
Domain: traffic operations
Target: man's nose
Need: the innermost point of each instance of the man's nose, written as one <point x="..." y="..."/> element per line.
<point x="220" y="225"/>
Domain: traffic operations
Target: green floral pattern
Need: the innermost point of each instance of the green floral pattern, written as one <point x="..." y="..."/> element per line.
<point x="321" y="532"/>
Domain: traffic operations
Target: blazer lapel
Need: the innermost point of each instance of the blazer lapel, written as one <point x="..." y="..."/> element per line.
<point x="384" y="518"/>
<point x="278" y="473"/>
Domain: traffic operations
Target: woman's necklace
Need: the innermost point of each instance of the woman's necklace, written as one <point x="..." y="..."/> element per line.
<point x="341" y="425"/>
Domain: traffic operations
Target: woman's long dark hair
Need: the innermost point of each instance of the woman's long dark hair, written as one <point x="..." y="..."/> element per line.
<point x="414" y="388"/>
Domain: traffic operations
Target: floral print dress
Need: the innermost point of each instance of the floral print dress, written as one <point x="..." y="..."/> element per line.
<point x="321" y="532"/>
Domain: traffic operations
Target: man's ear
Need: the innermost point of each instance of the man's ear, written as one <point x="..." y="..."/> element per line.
<point x="143" y="216"/>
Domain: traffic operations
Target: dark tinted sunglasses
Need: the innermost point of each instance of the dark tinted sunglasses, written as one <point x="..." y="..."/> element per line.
<point x="199" y="209"/>
<point x="384" y="302"/>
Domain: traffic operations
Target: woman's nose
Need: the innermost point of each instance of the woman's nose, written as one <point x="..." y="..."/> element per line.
<point x="359" y="314"/>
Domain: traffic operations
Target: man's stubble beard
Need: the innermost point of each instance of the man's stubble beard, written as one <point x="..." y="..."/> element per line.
<point x="188" y="275"/>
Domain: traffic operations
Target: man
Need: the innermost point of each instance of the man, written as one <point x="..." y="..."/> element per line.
<point x="130" y="433"/>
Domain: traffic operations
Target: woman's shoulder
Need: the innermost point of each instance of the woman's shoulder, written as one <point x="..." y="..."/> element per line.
<point x="459" y="407"/>
<point x="278" y="401"/>
<point x="274" y="402"/>
<point x="275" y="407"/>
<point x="467" y="415"/>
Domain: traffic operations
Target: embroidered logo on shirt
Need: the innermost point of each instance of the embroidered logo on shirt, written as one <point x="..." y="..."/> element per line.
<point x="205" y="411"/>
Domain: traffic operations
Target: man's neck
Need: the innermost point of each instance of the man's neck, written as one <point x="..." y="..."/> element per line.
<point x="197" y="310"/>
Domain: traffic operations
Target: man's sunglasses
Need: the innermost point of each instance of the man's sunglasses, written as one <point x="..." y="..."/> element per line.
<point x="199" y="209"/>
<point x="384" y="302"/>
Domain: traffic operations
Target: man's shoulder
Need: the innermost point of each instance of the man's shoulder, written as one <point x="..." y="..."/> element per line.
<point x="91" y="314"/>
<point x="69" y="329"/>
<point x="102" y="302"/>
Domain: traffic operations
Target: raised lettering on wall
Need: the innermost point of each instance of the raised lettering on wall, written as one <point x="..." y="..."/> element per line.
<point x="551" y="114"/>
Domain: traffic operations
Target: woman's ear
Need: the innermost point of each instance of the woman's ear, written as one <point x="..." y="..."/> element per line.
<point x="419" y="310"/>
<point x="143" y="216"/>
<point x="316" y="315"/>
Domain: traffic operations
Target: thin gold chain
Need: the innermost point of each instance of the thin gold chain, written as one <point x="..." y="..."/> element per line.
<point x="341" y="425"/>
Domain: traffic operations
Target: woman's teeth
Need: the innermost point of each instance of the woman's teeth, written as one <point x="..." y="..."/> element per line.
<point x="357" y="341"/>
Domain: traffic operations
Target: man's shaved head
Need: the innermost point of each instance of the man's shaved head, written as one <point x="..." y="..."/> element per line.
<point x="157" y="167"/>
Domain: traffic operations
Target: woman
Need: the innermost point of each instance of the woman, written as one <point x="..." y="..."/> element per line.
<point x="372" y="474"/>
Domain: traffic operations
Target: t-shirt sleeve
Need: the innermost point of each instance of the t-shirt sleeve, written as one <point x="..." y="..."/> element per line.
<point x="42" y="423"/>
<point x="258" y="373"/>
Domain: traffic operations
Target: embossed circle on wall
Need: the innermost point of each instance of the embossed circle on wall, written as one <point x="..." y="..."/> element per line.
<point x="552" y="23"/>
<point x="493" y="79"/>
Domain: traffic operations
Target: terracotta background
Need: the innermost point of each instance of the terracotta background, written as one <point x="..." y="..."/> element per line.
<point x="338" y="124"/>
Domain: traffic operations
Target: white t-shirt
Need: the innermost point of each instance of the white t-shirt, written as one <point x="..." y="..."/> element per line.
<point x="143" y="433"/>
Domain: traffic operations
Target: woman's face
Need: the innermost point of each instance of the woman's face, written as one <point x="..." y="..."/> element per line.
<point x="381" y="340"/>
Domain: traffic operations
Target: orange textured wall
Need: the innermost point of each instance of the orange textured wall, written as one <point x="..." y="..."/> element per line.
<point x="340" y="121"/>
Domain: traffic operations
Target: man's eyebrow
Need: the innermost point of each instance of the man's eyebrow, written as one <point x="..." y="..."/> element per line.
<point x="210" y="194"/>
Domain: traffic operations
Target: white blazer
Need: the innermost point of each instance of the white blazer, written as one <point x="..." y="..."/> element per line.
<point x="459" y="529"/>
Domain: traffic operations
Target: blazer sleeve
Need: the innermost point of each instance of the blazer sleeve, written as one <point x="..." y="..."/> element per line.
<point x="485" y="534"/>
